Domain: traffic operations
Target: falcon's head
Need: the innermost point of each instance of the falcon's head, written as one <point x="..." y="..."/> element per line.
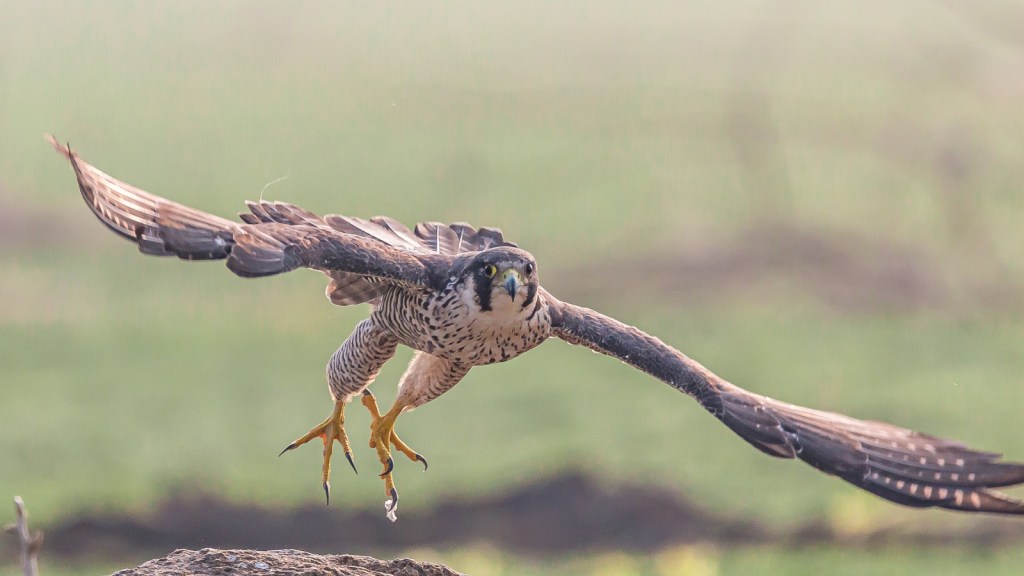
<point x="503" y="279"/>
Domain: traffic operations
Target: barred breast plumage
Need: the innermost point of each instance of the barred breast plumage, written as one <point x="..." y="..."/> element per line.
<point x="450" y="324"/>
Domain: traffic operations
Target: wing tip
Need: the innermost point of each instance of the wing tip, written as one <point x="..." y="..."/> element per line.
<point x="62" y="149"/>
<point x="988" y="501"/>
<point x="53" y="141"/>
<point x="890" y="462"/>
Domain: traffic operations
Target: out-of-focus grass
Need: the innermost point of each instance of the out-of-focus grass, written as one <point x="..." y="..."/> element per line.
<point x="697" y="561"/>
<point x="64" y="569"/>
<point x="180" y="374"/>
<point x="600" y="127"/>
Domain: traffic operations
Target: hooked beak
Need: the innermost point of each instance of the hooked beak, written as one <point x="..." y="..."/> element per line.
<point x="512" y="282"/>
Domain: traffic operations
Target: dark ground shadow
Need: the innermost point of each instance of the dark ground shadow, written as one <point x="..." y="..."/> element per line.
<point x="565" y="514"/>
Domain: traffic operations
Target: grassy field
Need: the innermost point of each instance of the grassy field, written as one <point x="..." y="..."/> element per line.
<point x="582" y="134"/>
<point x="706" y="562"/>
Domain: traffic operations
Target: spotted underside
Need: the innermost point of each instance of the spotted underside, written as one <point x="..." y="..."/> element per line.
<point x="426" y="292"/>
<point x="449" y="324"/>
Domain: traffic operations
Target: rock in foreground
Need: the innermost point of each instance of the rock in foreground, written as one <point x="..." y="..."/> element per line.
<point x="210" y="562"/>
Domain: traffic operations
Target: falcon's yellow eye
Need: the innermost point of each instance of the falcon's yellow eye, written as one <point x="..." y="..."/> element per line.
<point x="490" y="270"/>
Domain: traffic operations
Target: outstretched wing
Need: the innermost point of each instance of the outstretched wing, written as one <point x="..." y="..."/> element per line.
<point x="362" y="257"/>
<point x="897" y="464"/>
<point x="274" y="238"/>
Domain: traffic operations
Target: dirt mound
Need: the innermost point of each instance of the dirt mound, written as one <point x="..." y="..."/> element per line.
<point x="280" y="562"/>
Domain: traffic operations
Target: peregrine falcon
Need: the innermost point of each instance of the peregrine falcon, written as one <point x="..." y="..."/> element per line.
<point x="463" y="297"/>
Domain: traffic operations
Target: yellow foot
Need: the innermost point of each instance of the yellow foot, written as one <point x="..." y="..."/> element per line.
<point x="382" y="437"/>
<point x="329" y="430"/>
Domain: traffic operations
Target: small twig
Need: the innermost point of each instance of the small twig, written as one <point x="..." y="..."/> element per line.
<point x="28" y="544"/>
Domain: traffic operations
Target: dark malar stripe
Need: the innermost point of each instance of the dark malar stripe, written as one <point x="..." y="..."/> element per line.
<point x="483" y="294"/>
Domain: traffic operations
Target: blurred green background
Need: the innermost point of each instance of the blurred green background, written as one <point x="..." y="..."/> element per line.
<point x="822" y="202"/>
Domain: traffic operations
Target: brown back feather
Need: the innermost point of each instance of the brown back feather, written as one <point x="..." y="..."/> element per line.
<point x="345" y="288"/>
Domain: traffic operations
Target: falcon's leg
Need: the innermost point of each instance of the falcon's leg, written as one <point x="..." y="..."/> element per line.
<point x="351" y="369"/>
<point x="426" y="378"/>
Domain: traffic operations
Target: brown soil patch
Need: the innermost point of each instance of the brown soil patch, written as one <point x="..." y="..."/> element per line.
<point x="846" y="272"/>
<point x="24" y="228"/>
<point x="557" y="516"/>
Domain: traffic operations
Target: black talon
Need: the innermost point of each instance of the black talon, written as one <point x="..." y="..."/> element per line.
<point x="367" y="393"/>
<point x="327" y="491"/>
<point x="394" y="500"/>
<point x="349" y="456"/>
<point x="287" y="448"/>
<point x="424" y="460"/>
<point x="391" y="466"/>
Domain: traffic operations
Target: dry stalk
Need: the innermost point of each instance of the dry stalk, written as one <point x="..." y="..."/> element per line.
<point x="28" y="544"/>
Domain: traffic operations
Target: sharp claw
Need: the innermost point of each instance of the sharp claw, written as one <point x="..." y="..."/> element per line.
<point x="367" y="392"/>
<point x="424" y="460"/>
<point x="390" y="467"/>
<point x="327" y="491"/>
<point x="287" y="448"/>
<point x="353" y="464"/>
<point x="394" y="500"/>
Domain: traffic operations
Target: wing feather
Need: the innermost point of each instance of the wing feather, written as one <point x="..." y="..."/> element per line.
<point x="900" y="465"/>
<point x="275" y="238"/>
<point x="398" y="229"/>
<point x="371" y="229"/>
<point x="438" y="238"/>
<point x="346" y="289"/>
